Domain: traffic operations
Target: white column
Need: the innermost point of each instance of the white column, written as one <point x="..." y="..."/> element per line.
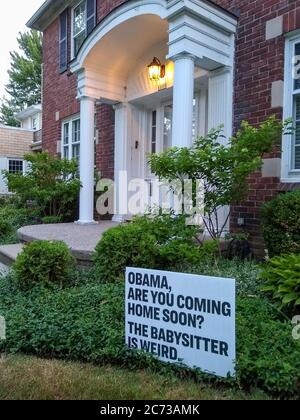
<point x="183" y="97"/>
<point x="220" y="112"/>
<point x="87" y="157"/>
<point x="220" y="101"/>
<point x="121" y="162"/>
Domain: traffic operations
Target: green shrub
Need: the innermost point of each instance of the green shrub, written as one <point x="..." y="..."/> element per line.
<point x="282" y="280"/>
<point x="5" y="228"/>
<point x="125" y="245"/>
<point x="246" y="273"/>
<point x="51" y="184"/>
<point x="43" y="263"/>
<point x="52" y="220"/>
<point x="158" y="243"/>
<point x="86" y="323"/>
<point x="268" y="356"/>
<point x="185" y="252"/>
<point x="14" y="218"/>
<point x="281" y="224"/>
<point x="222" y="169"/>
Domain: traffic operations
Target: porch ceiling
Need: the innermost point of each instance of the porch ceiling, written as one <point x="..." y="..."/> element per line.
<point x="117" y="53"/>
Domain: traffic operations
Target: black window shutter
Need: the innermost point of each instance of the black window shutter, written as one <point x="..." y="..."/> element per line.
<point x="90" y="16"/>
<point x="63" y="42"/>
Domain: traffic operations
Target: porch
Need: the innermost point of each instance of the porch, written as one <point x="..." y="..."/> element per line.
<point x="194" y="42"/>
<point x="81" y="239"/>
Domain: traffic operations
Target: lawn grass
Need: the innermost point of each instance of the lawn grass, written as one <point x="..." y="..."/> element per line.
<point x="29" y="378"/>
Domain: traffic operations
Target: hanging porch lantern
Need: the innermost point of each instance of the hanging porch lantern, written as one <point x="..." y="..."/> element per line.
<point x="156" y="70"/>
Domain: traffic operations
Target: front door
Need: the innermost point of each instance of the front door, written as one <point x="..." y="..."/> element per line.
<point x="151" y="132"/>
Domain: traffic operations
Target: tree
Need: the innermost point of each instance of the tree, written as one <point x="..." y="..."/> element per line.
<point x="25" y="77"/>
<point x="221" y="170"/>
<point x="50" y="183"/>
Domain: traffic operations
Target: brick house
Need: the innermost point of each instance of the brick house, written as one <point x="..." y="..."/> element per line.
<point x="225" y="61"/>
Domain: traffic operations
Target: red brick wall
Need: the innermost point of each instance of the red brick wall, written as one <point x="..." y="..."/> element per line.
<point x="104" y="7"/>
<point x="258" y="64"/>
<point x="105" y="124"/>
<point x="59" y="91"/>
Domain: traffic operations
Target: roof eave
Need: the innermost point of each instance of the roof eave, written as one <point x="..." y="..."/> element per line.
<point x="29" y="112"/>
<point x="45" y="14"/>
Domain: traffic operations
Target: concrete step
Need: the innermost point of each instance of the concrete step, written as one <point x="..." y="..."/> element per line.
<point x="9" y="253"/>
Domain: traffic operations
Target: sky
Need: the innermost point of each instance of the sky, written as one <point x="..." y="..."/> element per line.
<point x="14" y="15"/>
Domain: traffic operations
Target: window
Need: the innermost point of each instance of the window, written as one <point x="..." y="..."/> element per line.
<point x="154" y="132"/>
<point x="71" y="139"/>
<point x="291" y="143"/>
<point x="79" y="26"/>
<point x="34" y="124"/>
<point x="15" y="166"/>
<point x="76" y="139"/>
<point x="84" y="21"/>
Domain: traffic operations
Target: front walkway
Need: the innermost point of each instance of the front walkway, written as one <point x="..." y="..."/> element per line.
<point x="81" y="239"/>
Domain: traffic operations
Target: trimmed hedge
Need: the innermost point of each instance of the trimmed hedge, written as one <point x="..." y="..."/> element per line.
<point x="281" y="224"/>
<point x="43" y="263"/>
<point x="86" y="323"/>
<point x="160" y="242"/>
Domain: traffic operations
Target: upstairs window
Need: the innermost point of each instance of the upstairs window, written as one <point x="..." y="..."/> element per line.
<point x="84" y="21"/>
<point x="34" y="123"/>
<point x="79" y="26"/>
<point x="291" y="143"/>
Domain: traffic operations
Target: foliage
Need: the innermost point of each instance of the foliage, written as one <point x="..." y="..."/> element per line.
<point x="24" y="87"/>
<point x="86" y="322"/>
<point x="7" y="113"/>
<point x="5" y="228"/>
<point x="43" y="263"/>
<point x="149" y="242"/>
<point x="246" y="273"/>
<point x="281" y="224"/>
<point x="14" y="218"/>
<point x="50" y="183"/>
<point x="268" y="356"/>
<point x="125" y="245"/>
<point x="52" y="220"/>
<point x="282" y="280"/>
<point x="222" y="170"/>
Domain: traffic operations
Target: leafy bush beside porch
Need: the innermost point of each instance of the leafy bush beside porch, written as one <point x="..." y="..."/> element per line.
<point x="159" y="242"/>
<point x="50" y="185"/>
<point x="281" y="224"/>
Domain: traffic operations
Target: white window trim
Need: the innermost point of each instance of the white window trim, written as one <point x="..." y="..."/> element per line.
<point x="288" y="174"/>
<point x="72" y="27"/>
<point x="69" y="121"/>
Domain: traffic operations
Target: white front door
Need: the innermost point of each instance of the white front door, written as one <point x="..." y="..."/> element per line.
<point x="160" y="138"/>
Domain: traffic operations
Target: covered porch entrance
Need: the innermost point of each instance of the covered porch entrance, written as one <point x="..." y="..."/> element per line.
<point x="194" y="40"/>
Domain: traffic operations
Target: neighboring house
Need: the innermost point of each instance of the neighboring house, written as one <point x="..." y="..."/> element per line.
<point x="226" y="61"/>
<point x="17" y="142"/>
<point x="14" y="144"/>
<point x="31" y="119"/>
